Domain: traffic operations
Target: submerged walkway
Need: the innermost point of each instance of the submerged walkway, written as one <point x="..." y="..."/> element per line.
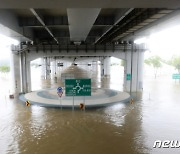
<point x="99" y="98"/>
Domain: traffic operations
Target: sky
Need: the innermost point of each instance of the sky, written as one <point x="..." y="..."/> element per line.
<point x="165" y="43"/>
<point x="4" y="55"/>
<point x="5" y="49"/>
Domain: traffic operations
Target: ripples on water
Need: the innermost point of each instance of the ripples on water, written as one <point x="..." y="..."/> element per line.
<point x="45" y="130"/>
<point x="123" y="128"/>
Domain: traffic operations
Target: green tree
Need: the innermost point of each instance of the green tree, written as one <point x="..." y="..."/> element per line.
<point x="175" y="61"/>
<point x="154" y="61"/>
<point x="122" y="62"/>
<point x="4" y="69"/>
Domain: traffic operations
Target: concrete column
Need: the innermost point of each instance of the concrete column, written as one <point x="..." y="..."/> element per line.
<point x="23" y="73"/>
<point x="102" y="68"/>
<point x="57" y="68"/>
<point x="99" y="68"/>
<point x="94" y="67"/>
<point x="107" y="63"/>
<point x="28" y="74"/>
<point x="43" y="68"/>
<point x="127" y="70"/>
<point x="47" y="65"/>
<point x="46" y="73"/>
<point x="53" y="68"/>
<point x="15" y="73"/>
<point x="134" y="74"/>
<point x="140" y="66"/>
<point x="134" y="67"/>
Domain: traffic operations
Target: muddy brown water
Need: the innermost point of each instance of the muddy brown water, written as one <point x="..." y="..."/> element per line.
<point x="119" y="129"/>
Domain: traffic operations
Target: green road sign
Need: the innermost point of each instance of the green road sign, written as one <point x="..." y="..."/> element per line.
<point x="128" y="76"/>
<point x="78" y="87"/>
<point x="176" y="76"/>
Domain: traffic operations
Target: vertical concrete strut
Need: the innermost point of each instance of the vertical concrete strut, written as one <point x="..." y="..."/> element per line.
<point x="47" y="68"/>
<point x="15" y="73"/>
<point x="102" y="66"/>
<point x="28" y="75"/>
<point x="21" y="72"/>
<point x="52" y="68"/>
<point x="132" y="50"/>
<point x="107" y="63"/>
<point x="140" y="67"/>
<point x="25" y="71"/>
<point x="134" y="67"/>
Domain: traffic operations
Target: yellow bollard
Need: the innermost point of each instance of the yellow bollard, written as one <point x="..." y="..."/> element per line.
<point x="131" y="101"/>
<point x="82" y="106"/>
<point x="27" y="103"/>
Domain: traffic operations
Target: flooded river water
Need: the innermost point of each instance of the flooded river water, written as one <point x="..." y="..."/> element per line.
<point x="119" y="129"/>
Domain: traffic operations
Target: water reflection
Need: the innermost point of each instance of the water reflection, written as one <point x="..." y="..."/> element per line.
<point x="45" y="130"/>
<point x="114" y="81"/>
<point x="122" y="128"/>
<point x="160" y="112"/>
<point x="40" y="130"/>
<point x="10" y="130"/>
<point x="116" y="114"/>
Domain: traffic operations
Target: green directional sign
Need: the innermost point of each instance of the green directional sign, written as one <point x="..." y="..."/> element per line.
<point x="78" y="87"/>
<point x="176" y="76"/>
<point x="128" y="76"/>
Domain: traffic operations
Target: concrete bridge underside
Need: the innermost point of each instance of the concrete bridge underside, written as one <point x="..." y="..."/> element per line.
<point x="101" y="31"/>
<point x="132" y="55"/>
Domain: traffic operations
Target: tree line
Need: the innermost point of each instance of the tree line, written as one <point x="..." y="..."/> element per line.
<point x="157" y="61"/>
<point x="4" y="69"/>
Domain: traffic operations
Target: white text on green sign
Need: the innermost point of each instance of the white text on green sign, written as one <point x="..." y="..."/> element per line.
<point x="128" y="76"/>
<point x="176" y="76"/>
<point x="78" y="87"/>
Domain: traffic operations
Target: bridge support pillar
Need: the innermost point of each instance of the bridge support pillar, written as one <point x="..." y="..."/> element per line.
<point x="20" y="72"/>
<point x="43" y="66"/>
<point x="105" y="67"/>
<point x="47" y="68"/>
<point x="133" y="73"/>
<point x="45" y="71"/>
<point x="53" y="69"/>
<point x="102" y="67"/>
<point x="25" y="69"/>
<point x="15" y="73"/>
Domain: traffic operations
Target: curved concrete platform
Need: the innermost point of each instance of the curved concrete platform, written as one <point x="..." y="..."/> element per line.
<point x="99" y="98"/>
